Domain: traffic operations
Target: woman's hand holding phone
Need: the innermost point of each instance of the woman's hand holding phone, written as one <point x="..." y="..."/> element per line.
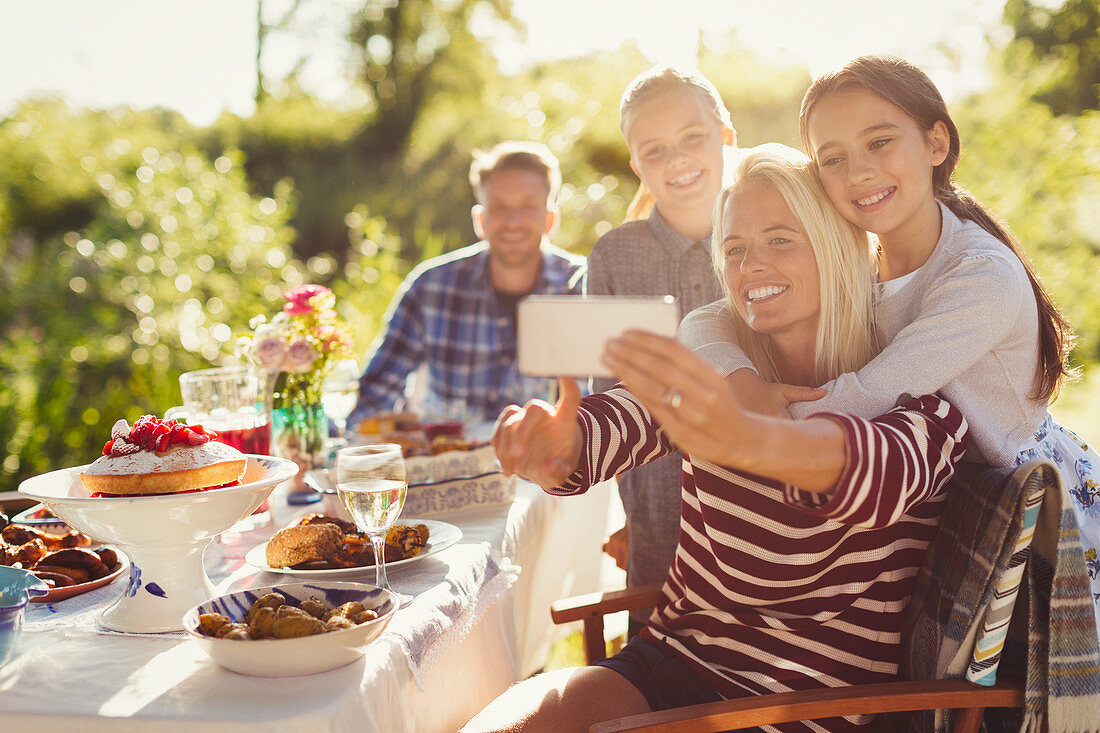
<point x="691" y="401"/>
<point x="539" y="441"/>
<point x="703" y="416"/>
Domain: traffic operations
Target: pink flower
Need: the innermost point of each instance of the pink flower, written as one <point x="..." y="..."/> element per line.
<point x="298" y="299"/>
<point x="300" y="357"/>
<point x="323" y="333"/>
<point x="338" y="341"/>
<point x="271" y="353"/>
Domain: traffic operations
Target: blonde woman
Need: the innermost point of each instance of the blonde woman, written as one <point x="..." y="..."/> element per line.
<point x="799" y="540"/>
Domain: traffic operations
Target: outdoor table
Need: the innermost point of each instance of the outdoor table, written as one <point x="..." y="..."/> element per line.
<point x="479" y="622"/>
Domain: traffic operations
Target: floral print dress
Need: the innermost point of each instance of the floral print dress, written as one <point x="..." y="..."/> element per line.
<point x="1077" y="463"/>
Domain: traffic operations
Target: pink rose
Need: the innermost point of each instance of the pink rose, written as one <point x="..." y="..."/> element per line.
<point x="271" y="353"/>
<point x="297" y="299"/>
<point x="300" y="357"/>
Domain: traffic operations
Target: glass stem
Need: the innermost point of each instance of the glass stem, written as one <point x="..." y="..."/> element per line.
<point x="378" y="542"/>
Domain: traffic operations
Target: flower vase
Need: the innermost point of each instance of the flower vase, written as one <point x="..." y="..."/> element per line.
<point x="299" y="433"/>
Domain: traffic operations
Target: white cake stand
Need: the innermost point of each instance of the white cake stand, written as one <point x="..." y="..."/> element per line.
<point x="164" y="537"/>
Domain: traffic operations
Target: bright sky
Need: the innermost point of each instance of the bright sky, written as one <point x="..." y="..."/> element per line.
<point x="199" y="56"/>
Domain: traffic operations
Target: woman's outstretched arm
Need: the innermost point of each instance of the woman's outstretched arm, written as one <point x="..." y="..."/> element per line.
<point x="539" y="441"/>
<point x="703" y="417"/>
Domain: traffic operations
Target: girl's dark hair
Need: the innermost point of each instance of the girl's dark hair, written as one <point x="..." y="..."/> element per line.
<point x="908" y="88"/>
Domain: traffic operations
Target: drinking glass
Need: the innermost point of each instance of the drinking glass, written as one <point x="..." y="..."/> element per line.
<point x="441" y="416"/>
<point x="235" y="402"/>
<point x="339" y="393"/>
<point x="371" y="482"/>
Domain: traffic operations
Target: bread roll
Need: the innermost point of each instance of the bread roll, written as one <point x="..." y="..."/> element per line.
<point x="303" y="543"/>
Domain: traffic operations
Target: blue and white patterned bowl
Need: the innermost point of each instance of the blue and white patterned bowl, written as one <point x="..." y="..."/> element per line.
<point x="303" y="655"/>
<point x="16" y="588"/>
<point x="455" y="464"/>
<point x="443" y="497"/>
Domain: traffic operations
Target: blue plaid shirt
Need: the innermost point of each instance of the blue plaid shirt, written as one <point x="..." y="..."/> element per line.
<point x="447" y="316"/>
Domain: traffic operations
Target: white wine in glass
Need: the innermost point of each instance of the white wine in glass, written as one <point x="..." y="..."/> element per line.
<point x="371" y="482"/>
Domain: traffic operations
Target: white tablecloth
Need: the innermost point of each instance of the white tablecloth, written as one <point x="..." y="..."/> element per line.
<point x="480" y="621"/>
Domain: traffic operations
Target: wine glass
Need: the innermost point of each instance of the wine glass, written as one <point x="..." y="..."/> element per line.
<point x="371" y="482"/>
<point x="339" y="394"/>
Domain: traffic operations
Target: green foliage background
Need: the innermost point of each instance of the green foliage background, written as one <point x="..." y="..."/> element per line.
<point x="136" y="246"/>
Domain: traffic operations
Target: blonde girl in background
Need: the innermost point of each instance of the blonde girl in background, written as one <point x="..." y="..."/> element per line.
<point x="676" y="127"/>
<point x="958" y="306"/>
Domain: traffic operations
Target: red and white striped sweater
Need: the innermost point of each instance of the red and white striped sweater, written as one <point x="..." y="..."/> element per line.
<point x="774" y="589"/>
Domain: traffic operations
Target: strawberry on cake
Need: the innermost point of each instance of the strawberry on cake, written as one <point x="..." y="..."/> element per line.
<point x="162" y="457"/>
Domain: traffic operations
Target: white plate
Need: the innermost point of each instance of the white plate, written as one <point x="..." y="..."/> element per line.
<point x="441" y="535"/>
<point x="52" y="525"/>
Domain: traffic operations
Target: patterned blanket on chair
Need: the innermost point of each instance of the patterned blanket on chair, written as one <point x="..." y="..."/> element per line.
<point x="1003" y="530"/>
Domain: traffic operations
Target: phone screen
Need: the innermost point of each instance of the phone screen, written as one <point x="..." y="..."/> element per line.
<point x="564" y="335"/>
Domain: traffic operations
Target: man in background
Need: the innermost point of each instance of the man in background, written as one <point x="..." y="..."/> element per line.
<point x="453" y="320"/>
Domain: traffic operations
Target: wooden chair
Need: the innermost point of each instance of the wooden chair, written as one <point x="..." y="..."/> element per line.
<point x="984" y="520"/>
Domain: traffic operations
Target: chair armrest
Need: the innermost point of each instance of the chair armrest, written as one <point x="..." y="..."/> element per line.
<point x="591" y="608"/>
<point x="888" y="697"/>
<point x="578" y="608"/>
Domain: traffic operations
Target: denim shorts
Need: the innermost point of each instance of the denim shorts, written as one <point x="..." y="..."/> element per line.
<point x="664" y="680"/>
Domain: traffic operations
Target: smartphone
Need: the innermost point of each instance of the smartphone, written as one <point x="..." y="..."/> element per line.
<point x="564" y="335"/>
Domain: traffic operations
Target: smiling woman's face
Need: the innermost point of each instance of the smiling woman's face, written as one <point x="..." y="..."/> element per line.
<point x="769" y="265"/>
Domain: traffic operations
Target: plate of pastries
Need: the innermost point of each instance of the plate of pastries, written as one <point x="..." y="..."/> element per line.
<point x="417" y="438"/>
<point x="442" y="450"/>
<point x="68" y="561"/>
<point x="324" y="546"/>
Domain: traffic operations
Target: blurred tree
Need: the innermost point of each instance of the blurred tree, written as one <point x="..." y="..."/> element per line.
<point x="138" y="278"/>
<point x="1058" y="50"/>
<point x="374" y="271"/>
<point x="402" y="58"/>
<point x="410" y="53"/>
<point x="763" y="97"/>
<point x="297" y="138"/>
<point x="264" y="28"/>
<point x="1041" y="174"/>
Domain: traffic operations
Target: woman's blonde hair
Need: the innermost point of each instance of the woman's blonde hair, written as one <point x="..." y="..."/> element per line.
<point x="651" y="84"/>
<point x="846" y="337"/>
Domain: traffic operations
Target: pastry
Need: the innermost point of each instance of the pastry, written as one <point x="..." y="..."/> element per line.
<point x="162" y="457"/>
<point x="303" y="543"/>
